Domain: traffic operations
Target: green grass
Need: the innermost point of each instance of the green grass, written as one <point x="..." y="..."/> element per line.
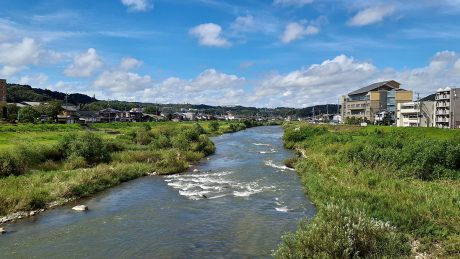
<point x="42" y="163"/>
<point x="403" y="176"/>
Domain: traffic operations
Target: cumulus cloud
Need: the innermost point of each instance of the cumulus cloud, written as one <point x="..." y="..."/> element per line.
<point x="122" y="80"/>
<point x="209" y="87"/>
<point x="371" y="15"/>
<point x="16" y="56"/>
<point x="137" y="5"/>
<point x="298" y="3"/>
<point x="209" y="34"/>
<point x="130" y="63"/>
<point x="295" y="31"/>
<point x="37" y="80"/>
<point x="85" y="64"/>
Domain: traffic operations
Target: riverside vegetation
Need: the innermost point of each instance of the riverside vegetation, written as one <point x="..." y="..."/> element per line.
<point x="380" y="192"/>
<point x="41" y="164"/>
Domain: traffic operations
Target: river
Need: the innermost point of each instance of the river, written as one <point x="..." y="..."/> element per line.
<point x="239" y="204"/>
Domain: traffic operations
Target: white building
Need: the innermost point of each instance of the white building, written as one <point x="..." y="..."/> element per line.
<point x="415" y="114"/>
<point x="448" y="108"/>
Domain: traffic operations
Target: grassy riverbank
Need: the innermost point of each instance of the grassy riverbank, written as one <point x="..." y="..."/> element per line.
<point x="380" y="192"/>
<point x="41" y="164"/>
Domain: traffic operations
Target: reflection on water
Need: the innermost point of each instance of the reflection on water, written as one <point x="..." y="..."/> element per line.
<point x="238" y="204"/>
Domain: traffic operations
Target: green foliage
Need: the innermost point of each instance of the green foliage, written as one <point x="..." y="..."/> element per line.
<point x="88" y="145"/>
<point x="353" y="120"/>
<point x="28" y="114"/>
<point x="340" y="232"/>
<point x="406" y="176"/>
<point x="214" y="126"/>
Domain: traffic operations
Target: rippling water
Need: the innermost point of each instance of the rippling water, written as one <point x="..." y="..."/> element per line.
<point x="238" y="204"/>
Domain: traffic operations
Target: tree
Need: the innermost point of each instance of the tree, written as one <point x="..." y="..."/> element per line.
<point x="51" y="109"/>
<point x="28" y="114"/>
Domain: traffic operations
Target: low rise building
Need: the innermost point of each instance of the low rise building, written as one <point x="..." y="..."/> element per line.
<point x="416" y="114"/>
<point x="448" y="108"/>
<point x="366" y="102"/>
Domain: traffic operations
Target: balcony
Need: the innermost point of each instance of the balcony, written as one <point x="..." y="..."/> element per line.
<point x="443" y="104"/>
<point x="443" y="97"/>
<point x="442" y="112"/>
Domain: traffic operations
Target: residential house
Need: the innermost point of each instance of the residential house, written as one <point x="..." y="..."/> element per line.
<point x="365" y="102"/>
<point x="87" y="117"/>
<point x="447" y="108"/>
<point x="68" y="114"/>
<point x="110" y="115"/>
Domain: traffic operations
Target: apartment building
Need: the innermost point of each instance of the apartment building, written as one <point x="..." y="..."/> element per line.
<point x="3" y="92"/>
<point x="416" y="114"/>
<point x="365" y="102"/>
<point x="447" y="108"/>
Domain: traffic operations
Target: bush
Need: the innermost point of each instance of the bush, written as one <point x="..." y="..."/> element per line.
<point x="88" y="145"/>
<point x="74" y="162"/>
<point x="338" y="232"/>
<point x="214" y="126"/>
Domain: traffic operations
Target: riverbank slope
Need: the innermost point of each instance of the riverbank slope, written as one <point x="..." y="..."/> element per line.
<point x="380" y="192"/>
<point x="43" y="166"/>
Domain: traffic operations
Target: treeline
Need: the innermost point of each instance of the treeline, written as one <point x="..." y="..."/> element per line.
<point x="25" y="93"/>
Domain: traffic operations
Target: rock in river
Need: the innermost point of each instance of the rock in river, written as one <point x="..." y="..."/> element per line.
<point x="2" y="231"/>
<point x="80" y="208"/>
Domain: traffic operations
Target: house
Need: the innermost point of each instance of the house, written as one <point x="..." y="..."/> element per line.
<point x="68" y="114"/>
<point x="365" y="102"/>
<point x="110" y="115"/>
<point x="415" y="114"/>
<point x="447" y="108"/>
<point x="191" y="116"/>
<point x="86" y="117"/>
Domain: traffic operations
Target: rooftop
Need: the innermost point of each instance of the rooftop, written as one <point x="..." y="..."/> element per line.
<point x="373" y="87"/>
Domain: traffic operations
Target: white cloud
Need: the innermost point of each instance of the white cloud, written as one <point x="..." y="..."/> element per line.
<point x="371" y="15"/>
<point x="209" y="34"/>
<point x="298" y="3"/>
<point x="137" y="5"/>
<point x="130" y="63"/>
<point x="38" y="80"/>
<point x="122" y="80"/>
<point x="85" y="64"/>
<point x="209" y="87"/>
<point x="295" y="31"/>
<point x="16" y="56"/>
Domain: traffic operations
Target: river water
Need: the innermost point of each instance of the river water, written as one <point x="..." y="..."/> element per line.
<point x="239" y="204"/>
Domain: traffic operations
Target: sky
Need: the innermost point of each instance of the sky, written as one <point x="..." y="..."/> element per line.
<point x="263" y="53"/>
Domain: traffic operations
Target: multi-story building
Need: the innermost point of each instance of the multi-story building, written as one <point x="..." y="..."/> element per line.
<point x="3" y="92"/>
<point x="365" y="102"/>
<point x="415" y="114"/>
<point x="448" y="108"/>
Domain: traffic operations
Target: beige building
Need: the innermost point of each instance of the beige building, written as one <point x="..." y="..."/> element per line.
<point x="448" y="108"/>
<point x="3" y="92"/>
<point x="365" y="102"/>
<point x="416" y="114"/>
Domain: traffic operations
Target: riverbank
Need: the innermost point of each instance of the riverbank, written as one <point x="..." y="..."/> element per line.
<point x="43" y="166"/>
<point x="379" y="191"/>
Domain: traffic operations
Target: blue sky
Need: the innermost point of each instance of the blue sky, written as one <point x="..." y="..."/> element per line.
<point x="267" y="53"/>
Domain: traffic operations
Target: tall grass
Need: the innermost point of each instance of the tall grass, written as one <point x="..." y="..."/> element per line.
<point x="389" y="174"/>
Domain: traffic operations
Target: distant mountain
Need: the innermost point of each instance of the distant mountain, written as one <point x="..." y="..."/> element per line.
<point x="430" y="97"/>
<point x="25" y="93"/>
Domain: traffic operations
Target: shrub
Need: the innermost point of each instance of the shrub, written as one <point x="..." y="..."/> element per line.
<point x="338" y="232"/>
<point x="88" y="145"/>
<point x="214" y="126"/>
